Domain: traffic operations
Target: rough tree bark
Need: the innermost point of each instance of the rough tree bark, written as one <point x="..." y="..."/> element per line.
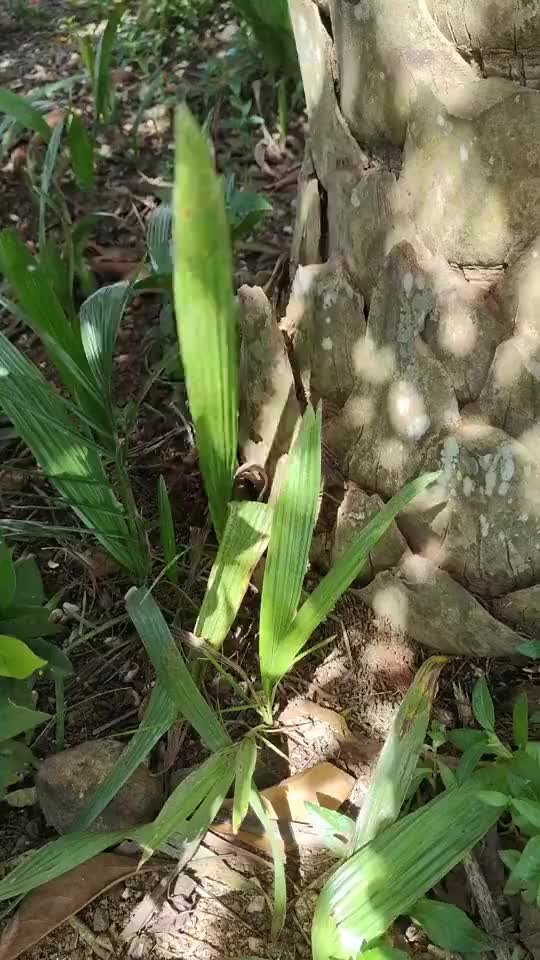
<point x="415" y="307"/>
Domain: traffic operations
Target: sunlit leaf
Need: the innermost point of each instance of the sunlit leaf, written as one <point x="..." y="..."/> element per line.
<point x="246" y="759"/>
<point x="17" y="659"/>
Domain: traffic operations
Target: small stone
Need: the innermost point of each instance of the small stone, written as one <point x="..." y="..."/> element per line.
<point x="256" y="905"/>
<point x="66" y="780"/>
<point x="101" y="920"/>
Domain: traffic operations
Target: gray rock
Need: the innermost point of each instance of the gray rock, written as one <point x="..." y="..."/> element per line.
<point x="269" y="410"/>
<point x="482" y="520"/>
<point x="325" y="321"/>
<point x="66" y="780"/>
<point x="510" y="398"/>
<point x="437" y="612"/>
<point x="355" y="511"/>
<point x="521" y="609"/>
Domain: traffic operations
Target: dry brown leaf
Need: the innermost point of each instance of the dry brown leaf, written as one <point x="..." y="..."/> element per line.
<point x="324" y="784"/>
<point x="55" y="902"/>
<point x="114" y="263"/>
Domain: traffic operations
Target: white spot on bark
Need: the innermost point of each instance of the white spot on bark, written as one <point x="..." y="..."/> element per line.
<point x="361" y="10"/>
<point x="355" y="199"/>
<point x="419" y="281"/>
<point x="534" y="254"/>
<point x="463" y="153"/>
<point x="419" y="426"/>
<point x="491" y="480"/>
<point x="503" y="489"/>
<point x="329" y="299"/>
<point x="507" y="464"/>
<point x="491" y="161"/>
<point x="328" y="319"/>
<point x="440" y="120"/>
<point x="382" y="75"/>
<point x="524" y="517"/>
<point x="484" y="525"/>
<point x="326" y="343"/>
<point x="468" y="486"/>
<point x="408" y="281"/>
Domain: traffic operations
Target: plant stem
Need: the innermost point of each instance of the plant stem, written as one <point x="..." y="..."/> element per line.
<point x="60" y="711"/>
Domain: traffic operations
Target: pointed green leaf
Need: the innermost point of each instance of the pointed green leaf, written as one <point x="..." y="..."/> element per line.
<point x="29" y="585"/>
<point x="448" y="927"/>
<point x="100" y="317"/>
<point x="325" y="596"/>
<point x="47" y="173"/>
<point x="242" y="546"/>
<point x="246" y="759"/>
<point x="172" y="670"/>
<point x="159" y="716"/>
<point x="16" y="659"/>
<point x="24" y="113"/>
<point x="280" y="881"/>
<point x="330" y="825"/>
<point x="482" y="705"/>
<point x="205" y="312"/>
<point x="520" y="721"/>
<point x="530" y="809"/>
<point x="288" y="551"/>
<point x="159" y="239"/>
<point x="58" y="663"/>
<point x="166" y="531"/>
<point x="15" y="719"/>
<point x="102" y="64"/>
<point x="81" y="149"/>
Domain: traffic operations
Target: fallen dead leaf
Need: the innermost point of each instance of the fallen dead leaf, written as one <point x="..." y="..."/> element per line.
<point x="55" y="902"/>
<point x="323" y="783"/>
<point x="114" y="263"/>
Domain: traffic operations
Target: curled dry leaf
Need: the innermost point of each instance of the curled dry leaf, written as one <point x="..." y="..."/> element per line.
<point x="53" y="903"/>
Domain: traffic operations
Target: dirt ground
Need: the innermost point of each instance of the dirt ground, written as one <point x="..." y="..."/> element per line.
<point x="338" y="705"/>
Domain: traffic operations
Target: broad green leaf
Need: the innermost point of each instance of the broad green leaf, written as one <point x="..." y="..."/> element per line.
<point x="47" y="173"/>
<point x="280" y="881"/>
<point x="14" y="757"/>
<point x="482" y="705"/>
<point x="205" y="312"/>
<point x="390" y="873"/>
<point x="16" y="659"/>
<point x="28" y="622"/>
<point x="88" y="56"/>
<point x="331" y="825"/>
<point x="81" y="149"/>
<point x="526" y="873"/>
<point x="212" y="778"/>
<point x="294" y="519"/>
<point x="24" y="113"/>
<point x="244" y="541"/>
<point x="448" y="927"/>
<point x="529" y="809"/>
<point x="58" y="663"/>
<point x="8" y="577"/>
<point x="447" y="775"/>
<point x="530" y="648"/>
<point x="271" y="26"/>
<point x="56" y="268"/>
<point x="326" y="594"/>
<point x="159" y="239"/>
<point x="66" y="456"/>
<point x="102" y="65"/>
<point x="493" y="798"/>
<point x="56" y="858"/>
<point x="384" y="952"/>
<point x="166" y="531"/>
<point x="246" y="759"/>
<point x="397" y="761"/>
<point x="172" y="670"/>
<point x="159" y="716"/>
<point x="29" y="585"/>
<point x="466" y="737"/>
<point x="245" y="211"/>
<point x="520" y="721"/>
<point x="15" y="719"/>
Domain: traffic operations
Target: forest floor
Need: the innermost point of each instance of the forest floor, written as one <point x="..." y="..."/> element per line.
<point x="337" y="706"/>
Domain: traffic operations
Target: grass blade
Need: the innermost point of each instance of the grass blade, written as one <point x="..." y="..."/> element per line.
<point x="205" y="311"/>
<point x="159" y="239"/>
<point x="399" y="757"/>
<point x="102" y="65"/>
<point x="389" y="874"/>
<point x="212" y="779"/>
<point x="280" y="881"/>
<point x="166" y="531"/>
<point x="246" y="759"/>
<point x="65" y="455"/>
<point x="24" y="113"/>
<point x="56" y="858"/>
<point x="325" y="596"/>
<point x="81" y="151"/>
<point x="172" y="670"/>
<point x="159" y="716"/>
<point x="244" y="542"/>
<point x="49" y="165"/>
<point x="288" y="551"/>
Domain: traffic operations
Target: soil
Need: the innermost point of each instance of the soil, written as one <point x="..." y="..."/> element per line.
<point x="358" y="679"/>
